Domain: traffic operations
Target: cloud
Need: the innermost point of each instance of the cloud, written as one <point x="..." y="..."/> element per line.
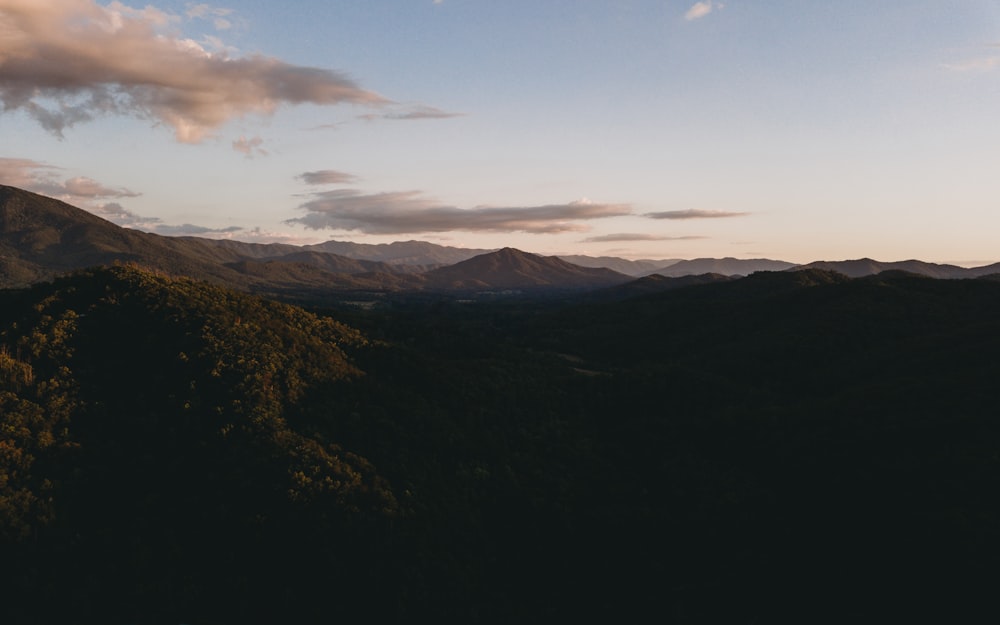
<point x="408" y="212"/>
<point x="90" y="188"/>
<point x="79" y="191"/>
<point x="66" y="62"/>
<point x="216" y="15"/>
<point x="43" y="178"/>
<point x="326" y="176"/>
<point x="119" y="215"/>
<point x="415" y="112"/>
<point x="192" y="230"/>
<point x="700" y="9"/>
<point x="612" y="238"/>
<point x="250" y="147"/>
<point x="977" y="65"/>
<point x="694" y="213"/>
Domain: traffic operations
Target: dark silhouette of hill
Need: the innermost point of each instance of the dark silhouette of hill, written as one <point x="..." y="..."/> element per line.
<point x="867" y="267"/>
<point x="513" y="269"/>
<point x="726" y="266"/>
<point x="657" y="283"/>
<point x="415" y="253"/>
<point x="41" y="237"/>
<point x="807" y="446"/>
<point x="338" y="264"/>
<point x="157" y="454"/>
<point x="628" y="267"/>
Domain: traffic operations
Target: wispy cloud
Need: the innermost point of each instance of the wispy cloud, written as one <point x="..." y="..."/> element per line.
<point x="250" y="147"/>
<point x="976" y="65"/>
<point x="625" y="236"/>
<point x="193" y="230"/>
<point x="118" y="214"/>
<point x="327" y="176"/>
<point x="68" y="61"/>
<point x="410" y="212"/>
<point x="218" y="16"/>
<point x="412" y="112"/>
<point x="694" y="213"/>
<point x="700" y="9"/>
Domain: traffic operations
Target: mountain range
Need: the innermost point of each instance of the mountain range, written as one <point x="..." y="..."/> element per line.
<point x="41" y="238"/>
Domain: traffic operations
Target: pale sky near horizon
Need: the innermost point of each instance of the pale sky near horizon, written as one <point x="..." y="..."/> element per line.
<point x="797" y="130"/>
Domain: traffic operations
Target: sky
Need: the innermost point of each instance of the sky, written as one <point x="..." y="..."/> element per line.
<point x="797" y="130"/>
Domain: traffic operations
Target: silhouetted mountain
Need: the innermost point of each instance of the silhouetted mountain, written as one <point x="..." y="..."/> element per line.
<point x="656" y="284"/>
<point x="726" y="266"/>
<point x="416" y="253"/>
<point x="41" y="237"/>
<point x="336" y="263"/>
<point x="512" y="269"/>
<point x="621" y="265"/>
<point x="867" y="267"/>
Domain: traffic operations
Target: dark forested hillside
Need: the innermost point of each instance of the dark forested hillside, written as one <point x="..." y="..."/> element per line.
<point x="788" y="447"/>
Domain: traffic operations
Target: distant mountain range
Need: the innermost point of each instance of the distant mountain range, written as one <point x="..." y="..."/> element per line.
<point x="41" y="238"/>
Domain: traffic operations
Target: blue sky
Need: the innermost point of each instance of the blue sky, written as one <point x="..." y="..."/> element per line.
<point x="798" y="130"/>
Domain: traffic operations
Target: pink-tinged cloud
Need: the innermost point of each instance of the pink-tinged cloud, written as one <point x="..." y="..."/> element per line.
<point x="68" y="61"/>
<point x="250" y="147"/>
<point x="694" y="213"/>
<point x="409" y="212"/>
<point x="43" y="178"/>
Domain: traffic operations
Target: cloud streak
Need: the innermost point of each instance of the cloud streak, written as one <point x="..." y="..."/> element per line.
<point x="694" y="213"/>
<point x="409" y="212"/>
<point x="626" y="236"/>
<point x="326" y="176"/>
<point x="65" y="62"/>
<point x="976" y="65"/>
<point x="415" y="112"/>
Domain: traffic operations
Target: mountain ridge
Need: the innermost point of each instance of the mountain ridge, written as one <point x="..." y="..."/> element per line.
<point x="42" y="237"/>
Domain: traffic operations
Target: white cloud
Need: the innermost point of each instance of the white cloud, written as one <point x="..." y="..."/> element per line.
<point x="218" y="16"/>
<point x="66" y="62"/>
<point x="700" y="9"/>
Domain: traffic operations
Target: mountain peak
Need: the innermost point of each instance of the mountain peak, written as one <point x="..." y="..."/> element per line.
<point x="511" y="268"/>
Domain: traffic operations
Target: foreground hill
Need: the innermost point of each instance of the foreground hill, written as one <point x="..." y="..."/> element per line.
<point x="782" y="448"/>
<point x="150" y="458"/>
